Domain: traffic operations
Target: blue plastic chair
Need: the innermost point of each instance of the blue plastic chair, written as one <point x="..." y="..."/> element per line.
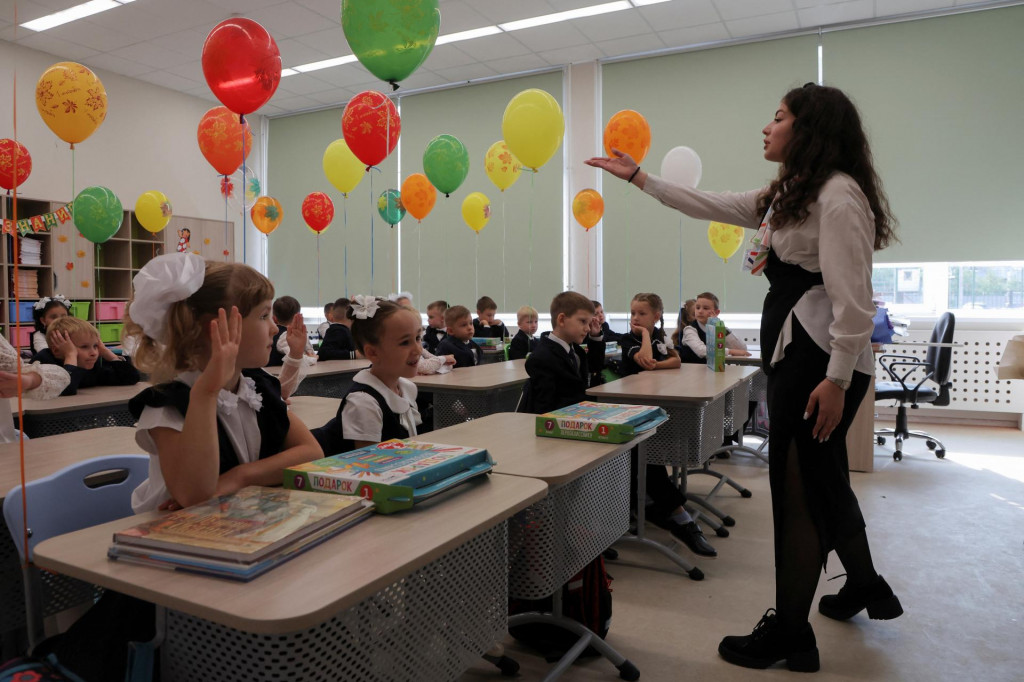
<point x="69" y="500"/>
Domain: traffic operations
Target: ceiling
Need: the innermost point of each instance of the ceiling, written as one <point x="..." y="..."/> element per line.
<point x="161" y="41"/>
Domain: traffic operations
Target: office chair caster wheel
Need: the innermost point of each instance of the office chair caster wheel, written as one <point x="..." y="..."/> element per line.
<point x="897" y="456"/>
<point x="628" y="671"/>
<point x="746" y="493"/>
<point x="695" y="574"/>
<point x="722" y="532"/>
<point x="941" y="454"/>
<point x="880" y="440"/>
<point x="728" y="521"/>
<point x="931" y="444"/>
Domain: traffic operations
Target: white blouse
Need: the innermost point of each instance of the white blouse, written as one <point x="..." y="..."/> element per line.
<point x="55" y="380"/>
<point x="836" y="239"/>
<point x="362" y="419"/>
<point x="236" y="413"/>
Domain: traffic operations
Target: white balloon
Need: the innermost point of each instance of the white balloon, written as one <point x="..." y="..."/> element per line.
<point x="681" y="165"/>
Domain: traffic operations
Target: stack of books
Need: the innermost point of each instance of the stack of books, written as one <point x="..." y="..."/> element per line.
<point x="600" y="422"/>
<point x="27" y="284"/>
<point x="30" y="251"/>
<point x="488" y="342"/>
<point x="394" y="474"/>
<point x="239" y="536"/>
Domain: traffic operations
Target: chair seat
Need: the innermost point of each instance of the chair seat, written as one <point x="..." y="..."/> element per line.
<point x="892" y="390"/>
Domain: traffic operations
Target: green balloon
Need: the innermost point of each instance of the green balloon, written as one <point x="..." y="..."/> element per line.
<point x="97" y="213"/>
<point x="389" y="205"/>
<point x="391" y="39"/>
<point x="446" y="163"/>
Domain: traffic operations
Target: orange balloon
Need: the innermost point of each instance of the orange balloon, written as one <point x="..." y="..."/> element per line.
<point x="220" y="139"/>
<point x="588" y="207"/>
<point x="628" y="132"/>
<point x="418" y="195"/>
<point x="266" y="214"/>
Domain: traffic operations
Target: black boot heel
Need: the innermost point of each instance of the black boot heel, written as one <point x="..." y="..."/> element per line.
<point x="804" y="661"/>
<point x="885" y="609"/>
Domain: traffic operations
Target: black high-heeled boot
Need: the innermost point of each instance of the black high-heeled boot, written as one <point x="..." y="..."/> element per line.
<point x="877" y="597"/>
<point x="770" y="643"/>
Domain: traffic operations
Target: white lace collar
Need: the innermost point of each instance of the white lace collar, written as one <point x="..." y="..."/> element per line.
<point x="226" y="400"/>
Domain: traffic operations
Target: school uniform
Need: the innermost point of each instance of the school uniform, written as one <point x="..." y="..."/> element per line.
<point x="37" y="339"/>
<point x="104" y="373"/>
<point x="467" y="353"/>
<point x="370" y="411"/>
<point x="630" y="344"/>
<point x="693" y="346"/>
<point x="280" y="349"/>
<point x="608" y="335"/>
<point x="54" y="380"/>
<point x="522" y="345"/>
<point x="494" y="331"/>
<point x="337" y="344"/>
<point x="322" y="328"/>
<point x="432" y="337"/>
<point x="559" y="376"/>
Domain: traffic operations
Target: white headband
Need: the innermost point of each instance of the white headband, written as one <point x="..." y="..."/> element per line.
<point x="46" y="300"/>
<point x="162" y="282"/>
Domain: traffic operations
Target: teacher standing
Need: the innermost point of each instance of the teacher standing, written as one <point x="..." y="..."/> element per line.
<point x="818" y="224"/>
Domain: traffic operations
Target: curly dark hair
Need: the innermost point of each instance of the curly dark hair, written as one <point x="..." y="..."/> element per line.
<point x="827" y="137"/>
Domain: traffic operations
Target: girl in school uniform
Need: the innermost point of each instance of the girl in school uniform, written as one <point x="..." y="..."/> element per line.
<point x="817" y="224"/>
<point x="46" y="310"/>
<point x="382" y="401"/>
<point x="38" y="382"/>
<point x="644" y="348"/>
<point x="213" y="423"/>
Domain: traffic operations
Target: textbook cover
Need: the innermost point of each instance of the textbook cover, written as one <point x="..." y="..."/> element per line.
<point x="600" y="422"/>
<point x="245" y="527"/>
<point x="488" y="342"/>
<point x="394" y="474"/>
<point x="716" y="333"/>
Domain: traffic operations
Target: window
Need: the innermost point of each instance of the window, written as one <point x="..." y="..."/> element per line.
<point x="984" y="289"/>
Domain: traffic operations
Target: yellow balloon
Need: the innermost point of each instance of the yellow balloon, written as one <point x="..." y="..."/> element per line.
<point x="71" y="101"/>
<point x="341" y="166"/>
<point x="532" y="127"/>
<point x="476" y="210"/>
<point x="501" y="165"/>
<point x="724" y="239"/>
<point x="153" y="210"/>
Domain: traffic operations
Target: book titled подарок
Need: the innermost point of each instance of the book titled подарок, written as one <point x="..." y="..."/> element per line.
<point x="394" y="474"/>
<point x="600" y="422"/>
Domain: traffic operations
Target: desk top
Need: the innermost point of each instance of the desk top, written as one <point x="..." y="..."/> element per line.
<point x="480" y="378"/>
<point x="96" y="396"/>
<point x="314" y="411"/>
<point x="689" y="383"/>
<point x="510" y="439"/>
<point x="328" y="367"/>
<point x="754" y="359"/>
<point x="315" y="585"/>
<point x="50" y="454"/>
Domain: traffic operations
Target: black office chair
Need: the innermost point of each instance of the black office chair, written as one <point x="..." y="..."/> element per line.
<point x="906" y="388"/>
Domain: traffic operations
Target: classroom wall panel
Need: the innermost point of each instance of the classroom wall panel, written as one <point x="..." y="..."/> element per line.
<point x="942" y="101"/>
<point x="517" y="258"/>
<point x="716" y="102"/>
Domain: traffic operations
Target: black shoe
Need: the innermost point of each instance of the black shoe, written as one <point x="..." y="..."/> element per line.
<point x="876" y="597"/>
<point x="693" y="538"/>
<point x="769" y="643"/>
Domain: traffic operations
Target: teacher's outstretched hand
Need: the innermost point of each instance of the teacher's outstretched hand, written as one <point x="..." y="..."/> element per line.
<point x="621" y="165"/>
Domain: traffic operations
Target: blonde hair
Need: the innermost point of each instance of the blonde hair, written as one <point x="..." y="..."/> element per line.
<point x="658" y="307"/>
<point x="454" y="314"/>
<point x="525" y="311"/>
<point x="224" y="285"/>
<point x="70" y="326"/>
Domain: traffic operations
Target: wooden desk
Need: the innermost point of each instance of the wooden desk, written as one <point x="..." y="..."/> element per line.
<point x="417" y="595"/>
<point x="327" y="378"/>
<point x="473" y="392"/>
<point x="90" y="408"/>
<point x="313" y="410"/>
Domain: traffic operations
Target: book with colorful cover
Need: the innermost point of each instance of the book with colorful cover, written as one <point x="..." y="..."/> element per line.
<point x="716" y="333"/>
<point x="394" y="474"/>
<point x="488" y="342"/>
<point x="600" y="422"/>
<point x="245" y="527"/>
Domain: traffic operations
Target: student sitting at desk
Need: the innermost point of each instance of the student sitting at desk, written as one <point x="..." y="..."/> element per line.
<point x="459" y="341"/>
<point x="38" y="382"/>
<point x="523" y="342"/>
<point x="485" y="325"/>
<point x="337" y="343"/>
<point x="435" y="326"/>
<point x="46" y="310"/>
<point x="286" y="312"/>
<point x="606" y="331"/>
<point x="75" y="344"/>
<point x="381" y="404"/>
<point x="691" y="339"/>
<point x="644" y="348"/>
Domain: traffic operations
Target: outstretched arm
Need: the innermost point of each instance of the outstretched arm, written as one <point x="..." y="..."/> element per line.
<point x="621" y="165"/>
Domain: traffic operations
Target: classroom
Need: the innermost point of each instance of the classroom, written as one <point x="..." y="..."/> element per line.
<point x="426" y="206"/>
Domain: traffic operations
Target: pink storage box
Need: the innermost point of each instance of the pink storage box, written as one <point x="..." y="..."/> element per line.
<point x="110" y="310"/>
<point x="20" y="340"/>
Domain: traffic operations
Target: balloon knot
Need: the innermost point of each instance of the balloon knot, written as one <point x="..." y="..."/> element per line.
<point x="446" y="195"/>
<point x="72" y="146"/>
<point x="394" y="85"/>
<point x="241" y="119"/>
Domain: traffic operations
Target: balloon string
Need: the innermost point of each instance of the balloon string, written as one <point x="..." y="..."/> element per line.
<point x="681" y="261"/>
<point x="529" y="289"/>
<point x="371" y="233"/>
<point x="318" y="303"/>
<point x="419" y="260"/>
<point x="241" y="119"/>
<point x="344" y="230"/>
<point x="226" y="219"/>
<point x="476" y="267"/>
<point x="629" y="252"/>
<point x="504" y="267"/>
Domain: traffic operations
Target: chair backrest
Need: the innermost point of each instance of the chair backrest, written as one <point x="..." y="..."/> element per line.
<point x="940" y="360"/>
<point x="63" y="502"/>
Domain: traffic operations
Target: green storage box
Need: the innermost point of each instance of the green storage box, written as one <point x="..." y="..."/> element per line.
<point x="110" y="332"/>
<point x="80" y="309"/>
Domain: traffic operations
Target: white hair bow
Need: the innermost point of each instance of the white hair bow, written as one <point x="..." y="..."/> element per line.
<point x="45" y="301"/>
<point x="162" y="282"/>
<point x="364" y="307"/>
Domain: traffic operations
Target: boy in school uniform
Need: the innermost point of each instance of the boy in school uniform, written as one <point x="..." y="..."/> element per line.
<point x="524" y="342"/>
<point x="606" y="331"/>
<point x="459" y="341"/>
<point x="337" y="343"/>
<point x="485" y="325"/>
<point x="435" y="326"/>
<point x="692" y="343"/>
<point x="284" y="311"/>
<point x="323" y="326"/>
<point x="559" y="367"/>
<point x="75" y="344"/>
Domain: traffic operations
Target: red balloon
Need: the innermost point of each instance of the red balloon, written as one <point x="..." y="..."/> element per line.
<point x="242" y="64"/>
<point x="220" y="138"/>
<point x="371" y="126"/>
<point x="15" y="163"/>
<point x="317" y="211"/>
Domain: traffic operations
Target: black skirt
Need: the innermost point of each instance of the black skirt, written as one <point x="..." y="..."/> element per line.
<point x="824" y="467"/>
